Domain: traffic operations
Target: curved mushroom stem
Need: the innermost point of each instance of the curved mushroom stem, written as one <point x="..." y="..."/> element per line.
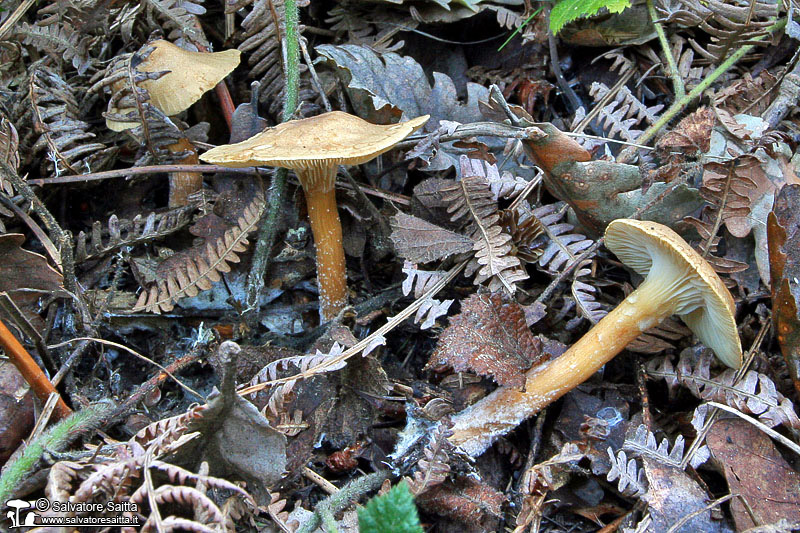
<point x="327" y="230"/>
<point x="480" y="424"/>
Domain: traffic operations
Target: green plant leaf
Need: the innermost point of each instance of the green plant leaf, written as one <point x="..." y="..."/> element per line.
<point x="394" y="512"/>
<point x="568" y="10"/>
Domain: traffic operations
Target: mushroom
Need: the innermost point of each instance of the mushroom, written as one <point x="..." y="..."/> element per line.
<point x="188" y="76"/>
<point x="313" y="148"/>
<point x="677" y="281"/>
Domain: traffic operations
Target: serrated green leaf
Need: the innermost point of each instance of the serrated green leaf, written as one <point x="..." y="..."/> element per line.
<point x="568" y="10"/>
<point x="394" y="512"/>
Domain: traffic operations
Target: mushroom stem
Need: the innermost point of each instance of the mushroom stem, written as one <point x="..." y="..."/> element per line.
<point x="498" y="413"/>
<point x="327" y="230"/>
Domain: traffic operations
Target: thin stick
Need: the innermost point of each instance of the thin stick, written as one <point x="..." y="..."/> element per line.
<point x="139" y="171"/>
<point x="763" y="427"/>
<point x="277" y="189"/>
<point x="672" y="70"/>
<point x="320" y="481"/>
<point x="363" y="343"/>
<point x="34" y="375"/>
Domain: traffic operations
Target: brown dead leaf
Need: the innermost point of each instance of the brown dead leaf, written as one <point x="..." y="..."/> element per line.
<point x="756" y="470"/>
<point x="691" y="135"/>
<point x="421" y="242"/>
<point x="672" y="496"/>
<point x="25" y="276"/>
<point x="466" y="501"/>
<point x="489" y="337"/>
<point x="16" y="409"/>
<point x="784" y="238"/>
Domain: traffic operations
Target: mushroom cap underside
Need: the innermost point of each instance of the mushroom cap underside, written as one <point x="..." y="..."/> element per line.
<point x="641" y="245"/>
<point x="334" y="138"/>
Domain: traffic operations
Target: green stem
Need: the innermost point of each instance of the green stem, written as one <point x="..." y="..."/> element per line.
<point x="55" y="439"/>
<point x="277" y="189"/>
<point x="351" y="492"/>
<point x="677" y="82"/>
<point x="680" y="104"/>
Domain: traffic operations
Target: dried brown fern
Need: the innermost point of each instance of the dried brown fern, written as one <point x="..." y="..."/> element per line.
<point x="60" y="41"/>
<point x="118" y="233"/>
<point x="63" y="135"/>
<point x="9" y="151"/>
<point x="754" y="394"/>
<point x="433" y="468"/>
<point x="190" y="271"/>
<point x="263" y="29"/>
<point x="472" y="202"/>
<point x="728" y="24"/>
<point x="563" y="247"/>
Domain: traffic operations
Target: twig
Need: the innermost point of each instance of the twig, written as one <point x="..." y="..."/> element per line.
<point x="320" y="481"/>
<point x="680" y="523"/>
<point x="34" y="375"/>
<point x="314" y="78"/>
<point x="363" y="343"/>
<point x="681" y="103"/>
<point x="763" y="427"/>
<point x="277" y="189"/>
<point x="672" y="67"/>
<point x="139" y="171"/>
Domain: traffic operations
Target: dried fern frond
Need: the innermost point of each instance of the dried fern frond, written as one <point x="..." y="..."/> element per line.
<point x="364" y="27"/>
<point x="118" y="233"/>
<point x="262" y="37"/>
<point x="9" y="151"/>
<point x="433" y="467"/>
<point x="728" y="24"/>
<point x="60" y="41"/>
<point x="584" y="295"/>
<point x="626" y="101"/>
<point x="472" y="202"/>
<point x="563" y="247"/>
<point x="631" y="481"/>
<point x="188" y="272"/>
<point x="525" y="233"/>
<point x="754" y="394"/>
<point x="177" y="17"/>
<point x="63" y="135"/>
<point x="643" y="443"/>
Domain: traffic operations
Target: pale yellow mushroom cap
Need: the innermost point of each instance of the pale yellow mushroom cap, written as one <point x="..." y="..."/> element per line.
<point x="191" y="74"/>
<point x="693" y="287"/>
<point x="330" y="139"/>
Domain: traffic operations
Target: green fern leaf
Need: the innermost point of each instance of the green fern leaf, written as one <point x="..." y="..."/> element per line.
<point x="394" y="512"/>
<point x="568" y="10"/>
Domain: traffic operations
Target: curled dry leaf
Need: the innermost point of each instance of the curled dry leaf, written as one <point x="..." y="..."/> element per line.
<point x="489" y="337"/>
<point x="691" y="135"/>
<point x="784" y="242"/>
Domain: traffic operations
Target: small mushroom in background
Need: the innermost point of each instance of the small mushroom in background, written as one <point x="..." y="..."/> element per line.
<point x="313" y="148"/>
<point x="189" y="76"/>
<point x="677" y="281"/>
